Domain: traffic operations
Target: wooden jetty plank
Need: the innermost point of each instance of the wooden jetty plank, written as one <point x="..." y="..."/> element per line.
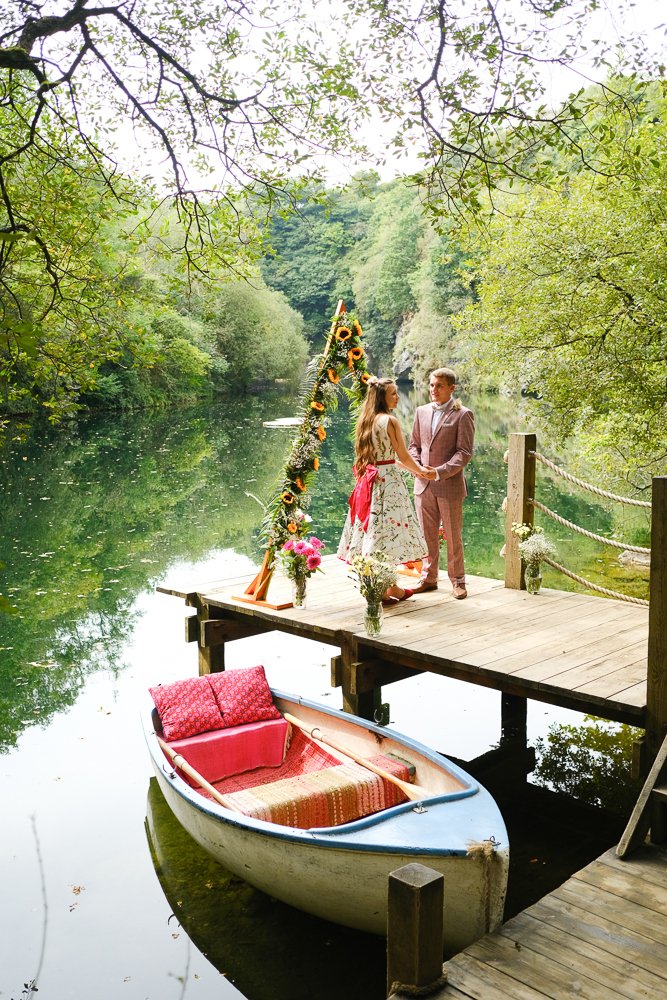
<point x="470" y="977"/>
<point x="611" y="938"/>
<point x="581" y="940"/>
<point x="554" y="975"/>
<point x="578" y="669"/>
<point x="630" y="669"/>
<point x="625" y="884"/>
<point x="584" y="958"/>
<point x="594" y="626"/>
<point x="609" y="905"/>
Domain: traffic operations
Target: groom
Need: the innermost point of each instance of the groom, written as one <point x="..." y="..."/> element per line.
<point x="442" y="437"/>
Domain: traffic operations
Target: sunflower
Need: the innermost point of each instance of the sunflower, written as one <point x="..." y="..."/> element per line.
<point x="287" y="497"/>
<point x="366" y="377"/>
<point x="357" y="327"/>
<point x="343" y="333"/>
<point x="300" y="485"/>
<point x="317" y="406"/>
<point x="333" y="375"/>
<point x="316" y="463"/>
<point x="321" y="433"/>
<point x="355" y="353"/>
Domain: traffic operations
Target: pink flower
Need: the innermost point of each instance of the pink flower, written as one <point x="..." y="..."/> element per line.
<point x="316" y="543"/>
<point x="313" y="561"/>
<point x="289" y="544"/>
<point x="300" y="547"/>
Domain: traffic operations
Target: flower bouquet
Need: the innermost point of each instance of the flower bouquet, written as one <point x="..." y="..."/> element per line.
<point x="373" y="576"/>
<point x="301" y="558"/>
<point x="534" y="548"/>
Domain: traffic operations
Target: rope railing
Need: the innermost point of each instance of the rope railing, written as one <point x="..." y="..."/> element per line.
<point x="587" y="486"/>
<point x="589" y="534"/>
<point x="595" y="586"/>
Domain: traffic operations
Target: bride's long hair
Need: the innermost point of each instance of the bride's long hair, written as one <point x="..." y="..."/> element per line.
<point x="374" y="403"/>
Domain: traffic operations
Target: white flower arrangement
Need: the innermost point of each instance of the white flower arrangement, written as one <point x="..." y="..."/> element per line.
<point x="374" y="575"/>
<point x="535" y="549"/>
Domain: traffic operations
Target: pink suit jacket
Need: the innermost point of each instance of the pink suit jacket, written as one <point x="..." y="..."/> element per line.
<point x="448" y="450"/>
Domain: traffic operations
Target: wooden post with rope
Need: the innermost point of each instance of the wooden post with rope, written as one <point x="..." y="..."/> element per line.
<point x="256" y="591"/>
<point x="656" y="679"/>
<point x="520" y="491"/>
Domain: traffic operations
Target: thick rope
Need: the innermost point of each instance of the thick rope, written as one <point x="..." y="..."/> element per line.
<point x="587" y="486"/>
<point x="595" y="587"/>
<point x="583" y="531"/>
<point x="404" y="990"/>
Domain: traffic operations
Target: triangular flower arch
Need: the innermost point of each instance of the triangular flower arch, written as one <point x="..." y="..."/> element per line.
<point x="343" y="358"/>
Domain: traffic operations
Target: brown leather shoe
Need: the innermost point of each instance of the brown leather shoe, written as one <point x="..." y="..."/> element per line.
<point x="423" y="586"/>
<point x="460" y="593"/>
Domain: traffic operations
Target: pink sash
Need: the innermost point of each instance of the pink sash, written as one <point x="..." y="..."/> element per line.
<point x="360" y="498"/>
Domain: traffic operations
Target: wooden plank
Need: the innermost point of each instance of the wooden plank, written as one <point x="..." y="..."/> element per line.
<point x="474" y="978"/>
<point x="607" y="905"/>
<point x="605" y="934"/>
<point x="583" y="958"/>
<point x="554" y="975"/>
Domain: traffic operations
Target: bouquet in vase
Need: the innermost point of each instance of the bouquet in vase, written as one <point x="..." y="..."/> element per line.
<point x="300" y="558"/>
<point x="373" y="576"/>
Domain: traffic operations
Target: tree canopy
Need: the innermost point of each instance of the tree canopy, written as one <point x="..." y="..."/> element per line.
<point x="572" y="304"/>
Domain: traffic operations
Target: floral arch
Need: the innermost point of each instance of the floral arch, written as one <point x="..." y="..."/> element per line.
<point x="343" y="358"/>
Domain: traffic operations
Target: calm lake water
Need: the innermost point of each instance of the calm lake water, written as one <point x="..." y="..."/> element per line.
<point x="103" y="893"/>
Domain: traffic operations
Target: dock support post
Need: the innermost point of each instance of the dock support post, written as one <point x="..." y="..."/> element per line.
<point x="656" y="680"/>
<point x="211" y="653"/>
<point x="365" y="704"/>
<point x="513" y="719"/>
<point x="415" y="923"/>
<point x="520" y="490"/>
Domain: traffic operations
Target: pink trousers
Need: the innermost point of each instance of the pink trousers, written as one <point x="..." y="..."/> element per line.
<point x="433" y="511"/>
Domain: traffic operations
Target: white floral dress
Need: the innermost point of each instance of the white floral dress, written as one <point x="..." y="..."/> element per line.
<point x="392" y="527"/>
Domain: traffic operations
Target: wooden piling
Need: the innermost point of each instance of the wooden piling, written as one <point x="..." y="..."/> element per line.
<point x="656" y="679"/>
<point x="520" y="490"/>
<point x="415" y="924"/>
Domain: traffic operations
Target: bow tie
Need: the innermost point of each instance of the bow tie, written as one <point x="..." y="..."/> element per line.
<point x="439" y="407"/>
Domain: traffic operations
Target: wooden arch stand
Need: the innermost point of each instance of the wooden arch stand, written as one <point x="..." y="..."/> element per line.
<point x="256" y="592"/>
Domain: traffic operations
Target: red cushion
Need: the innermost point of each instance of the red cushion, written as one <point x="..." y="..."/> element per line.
<point x="187" y="707"/>
<point x="243" y="696"/>
<point x="234" y="751"/>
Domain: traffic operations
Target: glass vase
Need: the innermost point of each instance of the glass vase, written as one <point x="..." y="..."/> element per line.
<point x="533" y="579"/>
<point x="299" y="592"/>
<point x="373" y="617"/>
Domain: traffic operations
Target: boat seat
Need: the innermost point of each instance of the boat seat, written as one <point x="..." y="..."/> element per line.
<point x="328" y="797"/>
<point x="220" y="753"/>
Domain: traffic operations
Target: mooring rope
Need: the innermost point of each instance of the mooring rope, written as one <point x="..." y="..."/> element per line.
<point x="403" y="990"/>
<point x="595" y="587"/>
<point x="583" y="531"/>
<point x="587" y="486"/>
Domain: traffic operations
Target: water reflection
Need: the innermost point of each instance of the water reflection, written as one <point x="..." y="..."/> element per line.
<point x="270" y="951"/>
<point x="95" y="515"/>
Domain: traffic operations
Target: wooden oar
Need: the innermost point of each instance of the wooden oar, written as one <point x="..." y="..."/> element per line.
<point x="414" y="792"/>
<point x="181" y="763"/>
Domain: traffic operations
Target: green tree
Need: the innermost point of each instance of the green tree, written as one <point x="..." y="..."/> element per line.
<point x="259" y="333"/>
<point x="573" y="306"/>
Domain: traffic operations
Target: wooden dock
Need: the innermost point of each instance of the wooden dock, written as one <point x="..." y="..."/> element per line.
<point x="602" y="935"/>
<point x="575" y="650"/>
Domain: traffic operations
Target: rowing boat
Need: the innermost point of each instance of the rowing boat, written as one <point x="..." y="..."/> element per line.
<point x="317" y="807"/>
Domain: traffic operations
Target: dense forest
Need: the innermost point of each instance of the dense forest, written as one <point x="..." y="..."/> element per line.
<point x="528" y="254"/>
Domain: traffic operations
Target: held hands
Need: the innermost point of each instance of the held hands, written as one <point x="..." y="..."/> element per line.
<point x="427" y="472"/>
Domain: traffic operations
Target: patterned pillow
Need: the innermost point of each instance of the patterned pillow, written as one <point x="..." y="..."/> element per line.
<point x="243" y="696"/>
<point x="187" y="707"/>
